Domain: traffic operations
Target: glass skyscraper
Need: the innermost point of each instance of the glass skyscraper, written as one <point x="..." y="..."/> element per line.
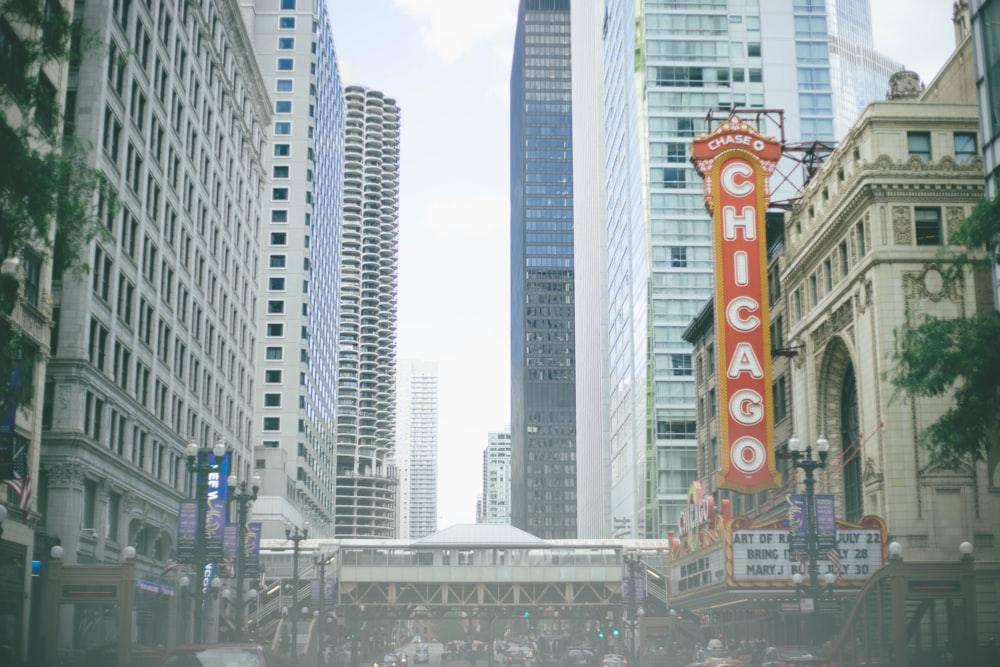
<point x="543" y="364"/>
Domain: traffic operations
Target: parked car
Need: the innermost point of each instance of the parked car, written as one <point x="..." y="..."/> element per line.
<point x="216" y="655"/>
<point x="578" y="656"/>
<point x="795" y="656"/>
<point x="421" y="656"/>
<point x="614" y="660"/>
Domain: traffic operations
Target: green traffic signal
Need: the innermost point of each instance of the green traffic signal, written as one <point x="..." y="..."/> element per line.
<point x="615" y="632"/>
<point x="527" y="613"/>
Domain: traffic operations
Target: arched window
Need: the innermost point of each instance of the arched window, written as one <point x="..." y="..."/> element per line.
<point x="849" y="429"/>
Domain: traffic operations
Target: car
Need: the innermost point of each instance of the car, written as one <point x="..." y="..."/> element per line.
<point x="518" y="655"/>
<point x="613" y="660"/>
<point x="216" y="655"/>
<point x="421" y="656"/>
<point x="795" y="656"/>
<point x="578" y="656"/>
<point x="388" y="659"/>
<point x="714" y="656"/>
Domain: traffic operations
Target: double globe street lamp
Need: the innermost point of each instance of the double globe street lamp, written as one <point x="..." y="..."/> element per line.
<point x="199" y="465"/>
<point x="243" y="498"/>
<point x="802" y="458"/>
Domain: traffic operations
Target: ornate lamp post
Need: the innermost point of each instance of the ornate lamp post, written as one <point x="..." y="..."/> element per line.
<point x="198" y="465"/>
<point x="804" y="461"/>
<point x="295" y="536"/>
<point x="243" y="499"/>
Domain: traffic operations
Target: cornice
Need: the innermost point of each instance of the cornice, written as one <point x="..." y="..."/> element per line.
<point x="243" y="50"/>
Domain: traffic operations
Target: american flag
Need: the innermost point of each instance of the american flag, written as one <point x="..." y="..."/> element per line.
<point x="171" y="564"/>
<point x="833" y="555"/>
<point x="263" y="580"/>
<point x="230" y="567"/>
<point x="21" y="484"/>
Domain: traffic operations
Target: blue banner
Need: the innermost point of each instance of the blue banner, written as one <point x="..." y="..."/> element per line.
<point x="826" y="523"/>
<point x="798" y="526"/>
<point x="187" y="530"/>
<point x="251" y="548"/>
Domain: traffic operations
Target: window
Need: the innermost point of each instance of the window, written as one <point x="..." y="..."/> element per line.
<point x="272" y="376"/>
<point x="279" y="238"/>
<point x="673" y="177"/>
<point x="280" y="171"/>
<point x="678" y="257"/>
<point x="272" y="400"/>
<point x="859" y="235"/>
<point x="279" y="215"/>
<point x="282" y="129"/>
<point x="283" y="85"/>
<point x="279" y="194"/>
<point x="753" y="49"/>
<point x="780" y="399"/>
<point x="283" y="106"/>
<point x="275" y="329"/>
<point x="288" y="4"/>
<point x="919" y="144"/>
<point x="276" y="284"/>
<point x="276" y="261"/>
<point x="965" y="147"/>
<point x="286" y="43"/>
<point x="681" y="364"/>
<point x="844" y="264"/>
<point x="272" y="423"/>
<point x="928" y="226"/>
<point x="275" y="307"/>
<point x="286" y="22"/>
<point x="286" y="64"/>
<point x="274" y="353"/>
<point x="282" y="150"/>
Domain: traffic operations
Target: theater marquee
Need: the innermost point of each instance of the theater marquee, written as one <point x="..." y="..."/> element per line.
<point x="736" y="163"/>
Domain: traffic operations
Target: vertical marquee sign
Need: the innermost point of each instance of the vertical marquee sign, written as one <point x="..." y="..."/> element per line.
<point x="736" y="162"/>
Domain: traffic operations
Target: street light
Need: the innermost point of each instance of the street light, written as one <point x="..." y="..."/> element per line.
<point x="243" y="499"/>
<point x="631" y="561"/>
<point x="198" y="465"/>
<point x="295" y="536"/>
<point x="804" y="461"/>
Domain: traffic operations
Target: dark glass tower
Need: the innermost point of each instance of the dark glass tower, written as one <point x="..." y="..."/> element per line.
<point x="543" y="366"/>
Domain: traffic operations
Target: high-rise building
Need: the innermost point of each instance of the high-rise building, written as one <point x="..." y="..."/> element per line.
<point x="296" y="331"/>
<point x="416" y="452"/>
<point x="366" y="480"/>
<point x="543" y="352"/>
<point x="985" y="16"/>
<point x="494" y="504"/>
<point x="155" y="348"/>
<point x="666" y="68"/>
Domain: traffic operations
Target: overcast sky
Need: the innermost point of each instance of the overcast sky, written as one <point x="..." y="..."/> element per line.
<point x="447" y="64"/>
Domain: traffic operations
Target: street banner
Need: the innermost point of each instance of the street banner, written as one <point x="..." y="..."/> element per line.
<point x="736" y="162"/>
<point x="187" y="530"/>
<point x="826" y="523"/>
<point x="215" y="522"/>
<point x="798" y="535"/>
<point x="230" y="540"/>
<point x="251" y="548"/>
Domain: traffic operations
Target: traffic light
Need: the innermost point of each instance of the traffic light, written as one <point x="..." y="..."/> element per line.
<point x="614" y="632"/>
<point x="527" y="613"/>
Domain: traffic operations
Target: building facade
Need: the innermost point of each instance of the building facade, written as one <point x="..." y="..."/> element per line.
<point x="366" y="480"/>
<point x="416" y="451"/>
<point x="984" y="17"/>
<point x="494" y="504"/>
<point x="297" y="346"/>
<point x="716" y="56"/>
<point x="543" y="343"/>
<point x="155" y="347"/>
<point x="27" y="306"/>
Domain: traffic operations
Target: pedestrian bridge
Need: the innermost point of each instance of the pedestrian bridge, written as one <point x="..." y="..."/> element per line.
<point x="491" y="567"/>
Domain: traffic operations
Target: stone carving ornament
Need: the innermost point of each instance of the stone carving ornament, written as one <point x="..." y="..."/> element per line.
<point x="902" y="229"/>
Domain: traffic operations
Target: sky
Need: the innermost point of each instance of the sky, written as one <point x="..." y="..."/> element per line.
<point x="447" y="65"/>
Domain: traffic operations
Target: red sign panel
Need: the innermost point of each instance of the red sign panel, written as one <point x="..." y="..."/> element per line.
<point x="736" y="162"/>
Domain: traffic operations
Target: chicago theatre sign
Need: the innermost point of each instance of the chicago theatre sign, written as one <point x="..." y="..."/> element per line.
<point x="736" y="163"/>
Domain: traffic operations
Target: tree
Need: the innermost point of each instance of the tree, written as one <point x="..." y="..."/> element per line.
<point x="48" y="196"/>
<point x="937" y="356"/>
